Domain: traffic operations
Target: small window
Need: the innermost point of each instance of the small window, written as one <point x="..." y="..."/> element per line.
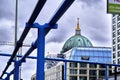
<point x="73" y="64"/>
<point x="114" y="55"/>
<point x="113" y="21"/>
<point x="73" y="77"/>
<point x="78" y="39"/>
<point x="113" y="34"/>
<point x="118" y="53"/>
<point x="92" y="65"/>
<point x="93" y="72"/>
<point x="82" y="71"/>
<point x="119" y="61"/>
<point x="118" y="32"/>
<point x="113" y="48"/>
<point x="73" y="71"/>
<point x="114" y="41"/>
<point x="118" y="39"/>
<point x="113" y="27"/>
<point x="114" y="62"/>
<point x="83" y="65"/>
<point x="118" y="46"/>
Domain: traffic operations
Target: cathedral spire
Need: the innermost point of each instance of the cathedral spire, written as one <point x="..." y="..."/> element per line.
<point x="78" y="27"/>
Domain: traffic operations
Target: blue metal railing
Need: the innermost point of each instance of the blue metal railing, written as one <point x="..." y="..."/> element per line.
<point x="39" y="43"/>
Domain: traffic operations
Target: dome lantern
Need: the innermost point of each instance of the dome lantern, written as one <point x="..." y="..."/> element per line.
<point x="77" y="32"/>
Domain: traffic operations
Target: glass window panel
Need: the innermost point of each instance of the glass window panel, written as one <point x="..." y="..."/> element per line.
<point x="101" y="66"/>
<point x="118" y="39"/>
<point x="114" y="41"/>
<point x="73" y="64"/>
<point x="113" y="48"/>
<point x="113" y="20"/>
<point x="118" y="46"/>
<point x="118" y="53"/>
<point x="82" y="71"/>
<point x="92" y="78"/>
<point x="114" y="55"/>
<point x="73" y="71"/>
<point x="113" y="15"/>
<point x="92" y="72"/>
<point x="92" y="65"/>
<point x="118" y="26"/>
<point x="73" y="77"/>
<point x="114" y="62"/>
<point x="119" y="61"/>
<point x="83" y="65"/>
<point x="82" y="78"/>
<point x="113" y="34"/>
<point x="118" y="32"/>
<point x="102" y="73"/>
<point x="118" y="18"/>
<point x="113" y="27"/>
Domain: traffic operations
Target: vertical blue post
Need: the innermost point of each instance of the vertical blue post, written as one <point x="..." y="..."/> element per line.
<point x="106" y="72"/>
<point x="16" y="71"/>
<point x="65" y="70"/>
<point x="40" y="53"/>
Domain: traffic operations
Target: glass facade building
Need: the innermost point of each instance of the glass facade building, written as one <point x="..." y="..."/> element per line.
<point x="82" y="71"/>
<point x="116" y="40"/>
<point x="91" y="54"/>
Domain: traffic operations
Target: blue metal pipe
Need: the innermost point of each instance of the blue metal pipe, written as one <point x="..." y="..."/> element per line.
<point x="8" y="55"/>
<point x="36" y="11"/>
<point x="40" y="54"/>
<point x="65" y="60"/>
<point x="16" y="71"/>
<point x="106" y="72"/>
<point x="65" y="70"/>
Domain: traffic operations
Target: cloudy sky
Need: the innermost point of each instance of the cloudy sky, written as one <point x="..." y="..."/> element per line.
<point x="94" y="21"/>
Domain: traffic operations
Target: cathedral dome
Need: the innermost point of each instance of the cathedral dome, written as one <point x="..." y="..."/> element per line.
<point x="76" y="41"/>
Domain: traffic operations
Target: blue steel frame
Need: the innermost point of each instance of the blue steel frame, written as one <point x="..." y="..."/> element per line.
<point x="40" y="43"/>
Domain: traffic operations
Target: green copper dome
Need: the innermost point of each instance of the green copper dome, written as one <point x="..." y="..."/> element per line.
<point x="76" y="41"/>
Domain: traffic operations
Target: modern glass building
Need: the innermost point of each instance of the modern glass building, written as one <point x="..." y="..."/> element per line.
<point x="82" y="71"/>
<point x="91" y="54"/>
<point x="116" y="40"/>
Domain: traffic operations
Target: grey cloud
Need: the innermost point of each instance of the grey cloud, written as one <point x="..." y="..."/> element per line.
<point x="98" y="4"/>
<point x="7" y="9"/>
<point x="99" y="31"/>
<point x="90" y="2"/>
<point x="6" y="34"/>
<point x="57" y="36"/>
<point x="66" y="27"/>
